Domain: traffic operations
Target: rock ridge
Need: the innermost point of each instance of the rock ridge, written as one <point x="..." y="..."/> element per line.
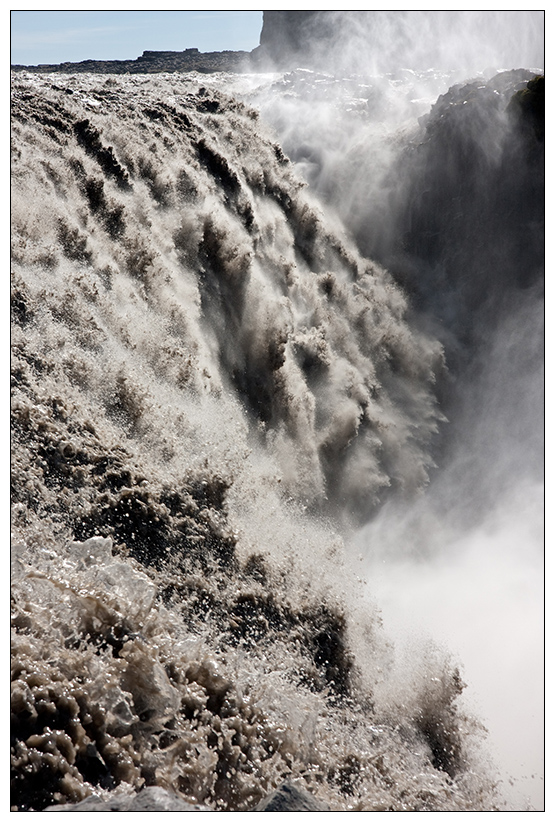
<point x="152" y="62"/>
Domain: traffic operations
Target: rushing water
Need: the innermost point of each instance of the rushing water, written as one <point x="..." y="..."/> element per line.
<point x="212" y="392"/>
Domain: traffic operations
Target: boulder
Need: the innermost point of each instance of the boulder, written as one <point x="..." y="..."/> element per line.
<point x="150" y="799"/>
<point x="290" y="799"/>
<point x="287" y="798"/>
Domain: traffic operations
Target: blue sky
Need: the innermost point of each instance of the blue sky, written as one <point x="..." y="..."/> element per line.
<point x="59" y="36"/>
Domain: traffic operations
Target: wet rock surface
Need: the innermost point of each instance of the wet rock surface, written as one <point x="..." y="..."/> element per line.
<point x="291" y="799"/>
<point x="288" y="798"/>
<point x="472" y="210"/>
<point x="153" y="800"/>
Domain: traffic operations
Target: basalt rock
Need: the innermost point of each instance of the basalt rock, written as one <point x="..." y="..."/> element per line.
<point x="473" y="213"/>
<point x="290" y="799"/>
<point x="152" y="62"/>
<point x="152" y="799"/>
<point x="286" y="799"/>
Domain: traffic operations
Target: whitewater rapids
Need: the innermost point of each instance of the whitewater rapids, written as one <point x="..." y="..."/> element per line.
<point x="210" y="386"/>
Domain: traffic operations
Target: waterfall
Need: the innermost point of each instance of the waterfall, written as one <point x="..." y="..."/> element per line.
<point x="222" y="398"/>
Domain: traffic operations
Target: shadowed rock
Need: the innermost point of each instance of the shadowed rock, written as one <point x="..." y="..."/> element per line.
<point x="290" y="799"/>
<point x="150" y="799"/>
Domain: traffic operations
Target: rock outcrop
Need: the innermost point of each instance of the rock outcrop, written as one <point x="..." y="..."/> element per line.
<point x="152" y="799"/>
<point x="290" y="799"/>
<point x="287" y="36"/>
<point x="286" y="799"/>
<point x="471" y="203"/>
<point x="152" y="62"/>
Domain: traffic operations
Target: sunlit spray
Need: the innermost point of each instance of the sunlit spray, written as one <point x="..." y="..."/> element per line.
<point x="466" y="558"/>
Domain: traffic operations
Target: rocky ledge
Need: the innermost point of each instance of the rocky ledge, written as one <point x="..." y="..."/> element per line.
<point x="287" y="798"/>
<point x="153" y="62"/>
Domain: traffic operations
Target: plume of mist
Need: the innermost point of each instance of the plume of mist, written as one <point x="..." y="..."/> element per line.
<point x="448" y="193"/>
<point x="376" y="42"/>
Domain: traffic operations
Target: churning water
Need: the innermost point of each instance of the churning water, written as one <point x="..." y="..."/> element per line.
<point x="224" y="420"/>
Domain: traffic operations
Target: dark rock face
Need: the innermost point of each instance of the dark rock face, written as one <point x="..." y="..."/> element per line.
<point x="290" y="799"/>
<point x="472" y="201"/>
<point x="287" y="36"/>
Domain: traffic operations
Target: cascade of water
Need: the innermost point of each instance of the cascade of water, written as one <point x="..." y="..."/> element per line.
<point x="212" y="388"/>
